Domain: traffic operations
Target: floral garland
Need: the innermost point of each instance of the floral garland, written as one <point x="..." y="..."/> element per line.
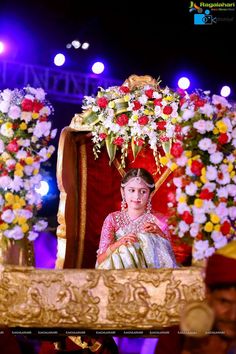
<point x="25" y="133"/>
<point x="203" y="159"/>
<point x="121" y="117"/>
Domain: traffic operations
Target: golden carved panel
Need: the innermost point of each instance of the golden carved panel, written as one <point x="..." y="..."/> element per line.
<point x="96" y="299"/>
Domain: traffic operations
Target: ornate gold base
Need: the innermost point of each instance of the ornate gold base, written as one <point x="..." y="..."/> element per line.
<point x="19" y="253"/>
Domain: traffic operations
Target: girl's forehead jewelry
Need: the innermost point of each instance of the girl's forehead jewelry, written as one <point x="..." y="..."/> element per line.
<point x="138" y="180"/>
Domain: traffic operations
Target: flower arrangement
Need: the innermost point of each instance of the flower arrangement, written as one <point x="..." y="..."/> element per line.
<point x="203" y="160"/>
<point x="124" y="116"/>
<point x="25" y="133"/>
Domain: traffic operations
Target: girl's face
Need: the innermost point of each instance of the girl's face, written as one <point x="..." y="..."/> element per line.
<point x="136" y="194"/>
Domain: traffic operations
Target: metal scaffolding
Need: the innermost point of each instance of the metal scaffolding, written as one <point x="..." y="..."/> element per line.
<point x="61" y="85"/>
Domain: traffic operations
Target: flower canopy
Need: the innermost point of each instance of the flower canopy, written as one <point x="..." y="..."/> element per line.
<point x="122" y="116"/>
<point x="25" y="134"/>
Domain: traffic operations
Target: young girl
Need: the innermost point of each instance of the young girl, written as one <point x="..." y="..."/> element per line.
<point x="135" y="237"/>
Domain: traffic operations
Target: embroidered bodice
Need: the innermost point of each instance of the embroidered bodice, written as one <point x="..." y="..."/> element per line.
<point x="118" y="224"/>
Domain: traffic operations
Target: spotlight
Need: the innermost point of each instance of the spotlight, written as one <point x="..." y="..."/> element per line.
<point x="59" y="59"/>
<point x="43" y="189"/>
<point x="85" y="45"/>
<point x="76" y="44"/>
<point x="2" y="47"/>
<point x="184" y="83"/>
<point x="98" y="67"/>
<point x="225" y="91"/>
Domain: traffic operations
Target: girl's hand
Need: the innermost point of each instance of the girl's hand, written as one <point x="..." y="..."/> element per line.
<point x="152" y="228"/>
<point x="127" y="239"/>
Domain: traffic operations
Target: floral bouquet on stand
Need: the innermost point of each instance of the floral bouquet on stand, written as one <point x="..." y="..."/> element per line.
<point x="204" y="162"/>
<point x="25" y="134"/>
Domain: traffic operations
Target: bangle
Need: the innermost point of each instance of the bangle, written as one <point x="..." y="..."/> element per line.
<point x="108" y="251"/>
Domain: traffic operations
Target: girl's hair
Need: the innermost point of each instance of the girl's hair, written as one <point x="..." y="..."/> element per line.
<point x="141" y="173"/>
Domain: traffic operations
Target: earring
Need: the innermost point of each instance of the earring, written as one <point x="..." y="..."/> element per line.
<point x="149" y="206"/>
<point x="123" y="203"/>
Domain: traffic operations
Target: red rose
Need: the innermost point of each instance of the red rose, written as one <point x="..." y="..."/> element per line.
<point x="157" y="102"/>
<point x="199" y="103"/>
<point x="196" y="167"/>
<point x="124" y="89"/>
<point x="137" y="105"/>
<point x="164" y="138"/>
<point x="223" y="138"/>
<point x="178" y="128"/>
<point x="15" y="126"/>
<point x="182" y="101"/>
<point x="225" y="227"/>
<point x="13" y="146"/>
<point x="149" y="93"/>
<point x="176" y="150"/>
<point x="27" y="105"/>
<point x="187" y="217"/>
<point x="167" y="110"/>
<point x="102" y="136"/>
<point x="122" y="119"/>
<point x="37" y="106"/>
<point x="118" y="141"/>
<point x="102" y="102"/>
<point x="206" y="194"/>
<point x="139" y="142"/>
<point x="161" y="125"/>
<point x="43" y="119"/>
<point x="143" y="120"/>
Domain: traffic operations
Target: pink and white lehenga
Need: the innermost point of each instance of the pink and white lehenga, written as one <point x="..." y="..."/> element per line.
<point x="151" y="250"/>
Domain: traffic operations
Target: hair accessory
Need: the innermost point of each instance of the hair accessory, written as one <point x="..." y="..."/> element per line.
<point x="139" y="180"/>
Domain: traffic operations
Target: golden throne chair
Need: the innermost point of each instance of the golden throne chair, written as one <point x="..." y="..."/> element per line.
<point x="90" y="189"/>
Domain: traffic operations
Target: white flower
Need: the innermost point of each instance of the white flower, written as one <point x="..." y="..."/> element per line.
<point x="200" y="126"/>
<point x="2" y="146"/>
<point x="204" y="144"/>
<point x="220" y="100"/>
<point x="32" y="235"/>
<point x="8" y="216"/>
<point x="216" y="157"/>
<point x="40" y="225"/>
<point x="191" y="189"/>
<point x="211" y="173"/>
<point x="16" y="184"/>
<point x="6" y="131"/>
<point x="5" y="182"/>
<point x="14" y="112"/>
<point x="16" y="233"/>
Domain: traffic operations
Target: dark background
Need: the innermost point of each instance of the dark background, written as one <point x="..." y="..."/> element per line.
<point x="156" y="38"/>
